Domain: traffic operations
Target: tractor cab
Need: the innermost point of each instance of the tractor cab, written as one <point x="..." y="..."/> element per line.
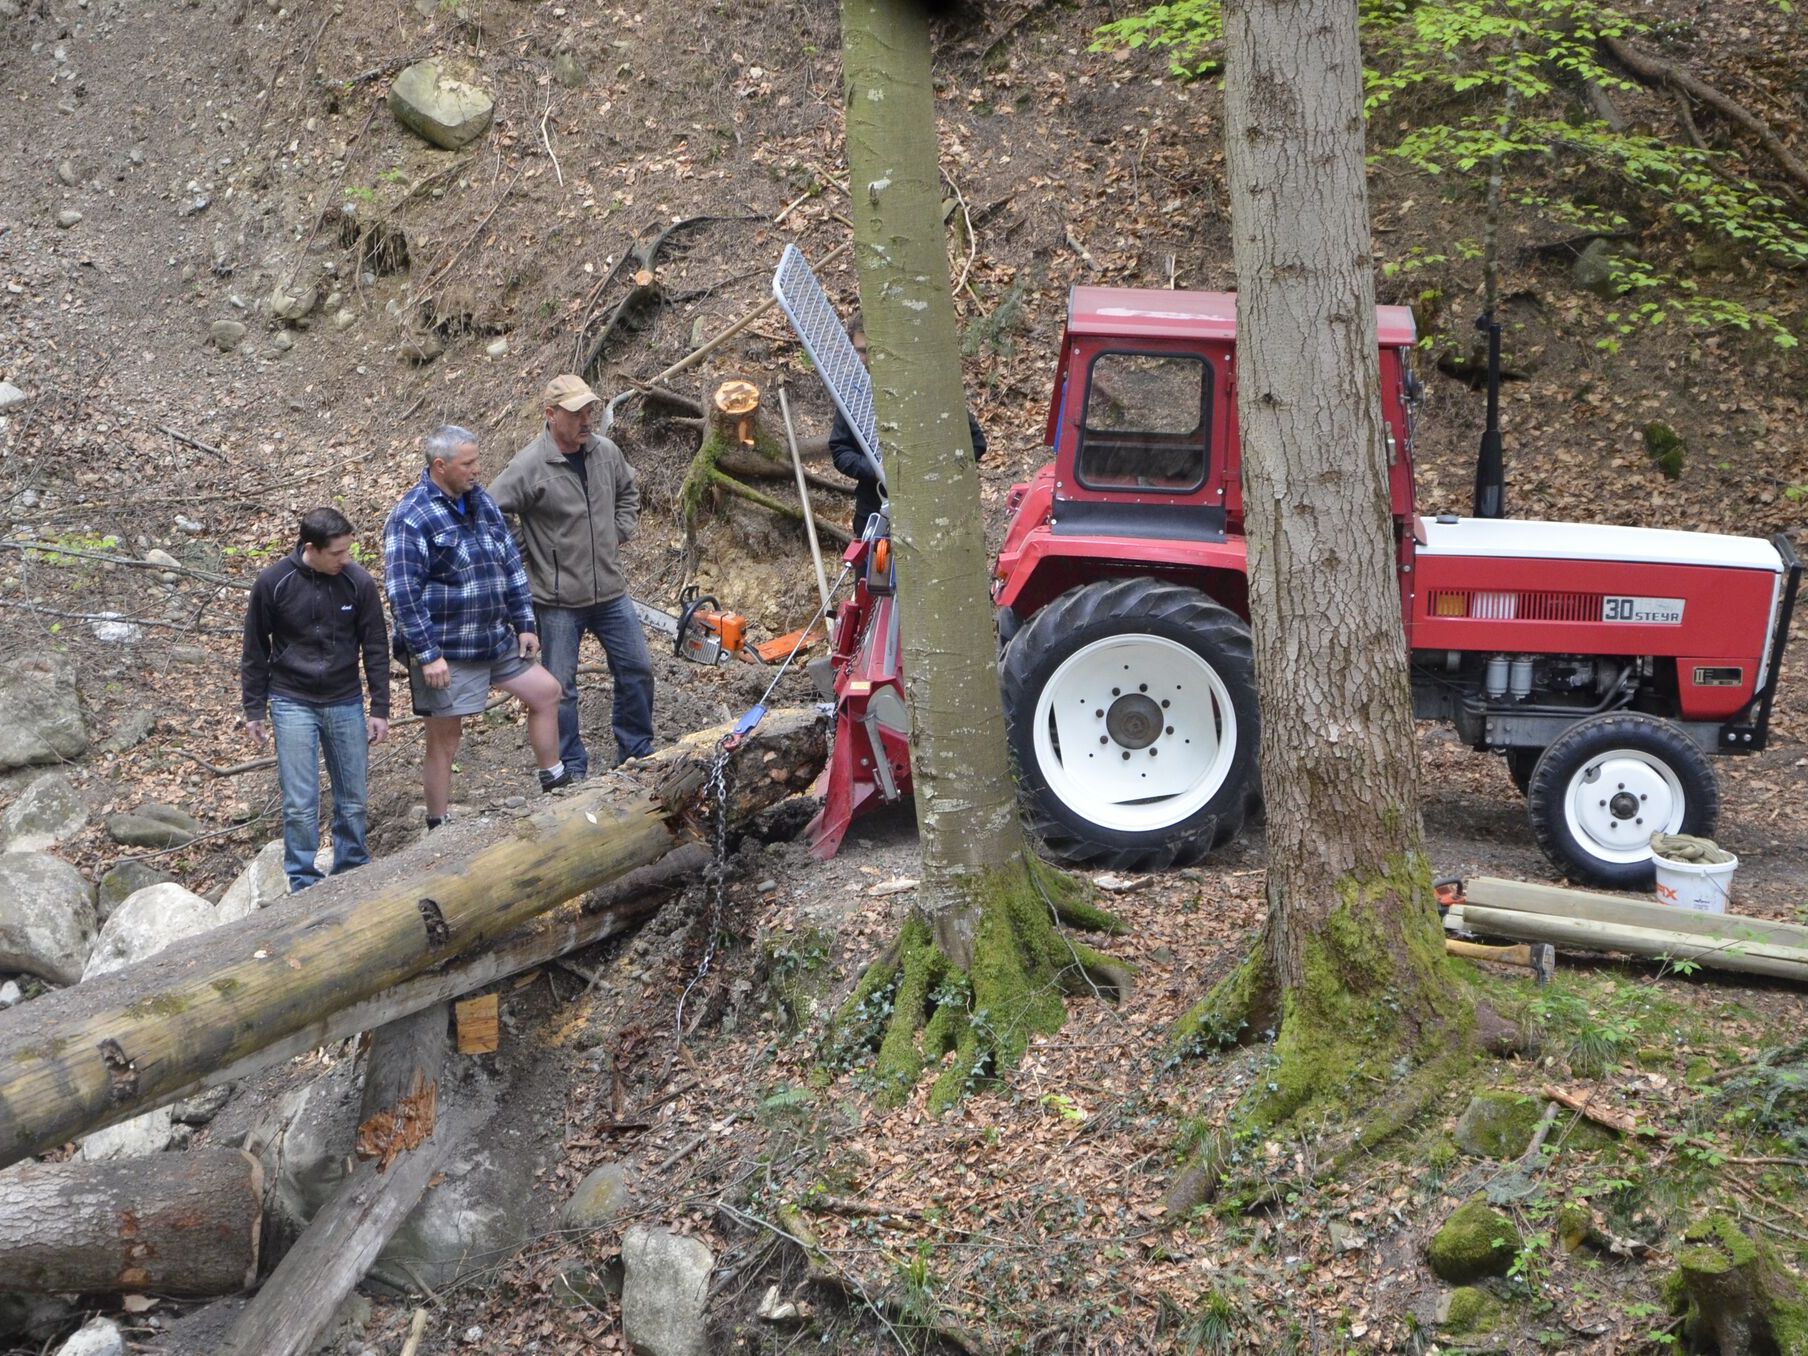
<point x="1146" y="465"/>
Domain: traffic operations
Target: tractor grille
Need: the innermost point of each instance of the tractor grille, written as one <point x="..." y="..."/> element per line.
<point x="1494" y="605"/>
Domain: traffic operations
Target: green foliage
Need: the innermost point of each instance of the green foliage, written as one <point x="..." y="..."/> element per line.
<point x="69" y="542"/>
<point x="1464" y="84"/>
<point x="1770" y="1096"/>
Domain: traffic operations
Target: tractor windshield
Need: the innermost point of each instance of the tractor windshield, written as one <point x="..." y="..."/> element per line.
<point x="1147" y="423"/>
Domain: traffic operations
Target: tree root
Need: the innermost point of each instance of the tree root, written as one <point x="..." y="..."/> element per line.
<point x="918" y="1008"/>
<point x="1654" y="71"/>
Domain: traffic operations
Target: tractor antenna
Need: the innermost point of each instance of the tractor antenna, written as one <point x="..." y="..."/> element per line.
<point x="1490" y="469"/>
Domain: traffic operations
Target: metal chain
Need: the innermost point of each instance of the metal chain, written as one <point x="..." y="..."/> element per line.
<point x="714" y="878"/>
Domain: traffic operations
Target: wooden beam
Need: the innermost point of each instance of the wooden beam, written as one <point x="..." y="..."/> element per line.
<point x="104" y="1050"/>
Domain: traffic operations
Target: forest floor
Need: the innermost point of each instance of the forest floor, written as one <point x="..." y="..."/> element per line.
<point x="212" y="149"/>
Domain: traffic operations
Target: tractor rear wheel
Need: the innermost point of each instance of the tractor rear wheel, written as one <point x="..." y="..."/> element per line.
<point x="1131" y="705"/>
<point x="1606" y="784"/>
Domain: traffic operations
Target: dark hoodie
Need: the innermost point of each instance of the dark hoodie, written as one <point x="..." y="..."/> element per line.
<point x="304" y="633"/>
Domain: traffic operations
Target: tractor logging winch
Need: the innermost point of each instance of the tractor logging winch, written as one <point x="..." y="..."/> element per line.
<point x="1604" y="663"/>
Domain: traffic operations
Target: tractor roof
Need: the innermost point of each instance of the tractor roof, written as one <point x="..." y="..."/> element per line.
<point x="1150" y="313"/>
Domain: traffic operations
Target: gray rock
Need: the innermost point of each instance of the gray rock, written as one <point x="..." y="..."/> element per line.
<point x="133" y="729"/>
<point x="600" y="1199"/>
<point x="1593" y="270"/>
<point x="46" y="812"/>
<point x="97" y="1337"/>
<point x="567" y="71"/>
<point x="148" y="921"/>
<point x="665" y="1284"/>
<point x="188" y="654"/>
<point x="10" y="396"/>
<point x="153" y="826"/>
<point x="114" y="630"/>
<point x="40" y="713"/>
<point x="202" y="1107"/>
<point x="35" y="1318"/>
<point x="11" y="995"/>
<point x="68" y="217"/>
<point x="124" y="881"/>
<point x="261" y="884"/>
<point x="344" y="318"/>
<point x="65" y="172"/>
<point x="226" y="335"/>
<point x="292" y="305"/>
<point x="447" y="112"/>
<point x="496" y="348"/>
<point x="281" y="341"/>
<point x="158" y="556"/>
<point x="139" y="1137"/>
<point x="46" y="917"/>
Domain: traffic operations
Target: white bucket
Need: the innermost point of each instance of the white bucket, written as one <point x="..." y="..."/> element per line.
<point x="1704" y="887"/>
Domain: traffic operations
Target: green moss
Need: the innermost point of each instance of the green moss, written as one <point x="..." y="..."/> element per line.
<point x="1476" y="1241"/>
<point x="1497" y="1125"/>
<point x="1715" y="1245"/>
<point x="226" y="986"/>
<point x="1228" y="1010"/>
<point x="1655" y="1057"/>
<point x="1699" y="1069"/>
<point x="159" y="1005"/>
<point x="1575" y="1222"/>
<point x="1471" y="1311"/>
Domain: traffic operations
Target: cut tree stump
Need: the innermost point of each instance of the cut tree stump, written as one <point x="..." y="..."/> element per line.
<point x="172" y="1224"/>
<point x="100" y="1052"/>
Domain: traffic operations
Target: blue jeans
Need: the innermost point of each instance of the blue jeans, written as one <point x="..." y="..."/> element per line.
<point x="630" y="667"/>
<point x="303" y="733"/>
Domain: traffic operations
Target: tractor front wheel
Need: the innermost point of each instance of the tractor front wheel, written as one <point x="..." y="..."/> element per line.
<point x="1131" y="705"/>
<point x="1606" y="784"/>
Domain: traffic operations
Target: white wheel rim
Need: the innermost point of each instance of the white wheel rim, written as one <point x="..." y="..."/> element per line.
<point x="1618" y="799"/>
<point x="1111" y="688"/>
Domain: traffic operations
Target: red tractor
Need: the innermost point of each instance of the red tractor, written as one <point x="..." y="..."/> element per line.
<point x="1605" y="663"/>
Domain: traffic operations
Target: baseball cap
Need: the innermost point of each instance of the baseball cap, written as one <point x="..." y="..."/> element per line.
<point x="570" y="392"/>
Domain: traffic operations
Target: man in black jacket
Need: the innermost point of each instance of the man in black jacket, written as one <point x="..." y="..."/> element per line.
<point x="852" y="462"/>
<point x="313" y="615"/>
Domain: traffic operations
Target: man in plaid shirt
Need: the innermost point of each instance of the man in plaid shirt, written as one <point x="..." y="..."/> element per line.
<point x="464" y="616"/>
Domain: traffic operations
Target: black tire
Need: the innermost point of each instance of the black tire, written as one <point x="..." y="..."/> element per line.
<point x="1655" y="752"/>
<point x="1520" y="763"/>
<point x="1129" y="607"/>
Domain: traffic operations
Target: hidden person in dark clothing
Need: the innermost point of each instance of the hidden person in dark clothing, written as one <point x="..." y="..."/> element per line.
<point x="313" y="616"/>
<point x="852" y="462"/>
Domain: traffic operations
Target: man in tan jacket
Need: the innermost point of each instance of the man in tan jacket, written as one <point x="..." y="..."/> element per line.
<point x="576" y="499"/>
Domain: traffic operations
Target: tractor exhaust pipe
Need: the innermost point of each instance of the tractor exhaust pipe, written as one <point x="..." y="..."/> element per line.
<point x="1490" y="469"/>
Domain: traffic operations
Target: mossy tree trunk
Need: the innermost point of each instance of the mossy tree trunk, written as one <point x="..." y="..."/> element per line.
<point x="982" y="933"/>
<point x="1351" y="964"/>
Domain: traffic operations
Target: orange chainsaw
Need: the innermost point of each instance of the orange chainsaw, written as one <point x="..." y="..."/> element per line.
<point x="701" y="632"/>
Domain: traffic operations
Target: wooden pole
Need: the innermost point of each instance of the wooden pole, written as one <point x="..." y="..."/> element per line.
<point x="100" y="1052"/>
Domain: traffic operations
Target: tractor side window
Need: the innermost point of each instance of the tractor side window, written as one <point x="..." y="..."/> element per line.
<point x="1147" y="422"/>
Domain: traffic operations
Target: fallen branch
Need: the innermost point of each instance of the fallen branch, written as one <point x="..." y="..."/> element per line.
<point x="51" y="548"/>
<point x="114" y="617"/>
<point x="765" y="501"/>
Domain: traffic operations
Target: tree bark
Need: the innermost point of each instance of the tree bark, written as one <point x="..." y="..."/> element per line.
<point x="172" y="1224"/>
<point x="1352" y="936"/>
<point x="102" y="1051"/>
<point x="966" y="800"/>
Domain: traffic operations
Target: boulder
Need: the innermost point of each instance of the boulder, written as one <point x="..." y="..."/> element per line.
<point x="124" y="881"/>
<point x="1476" y="1241"/>
<point x="133" y="729"/>
<point x="40" y="713"/>
<point x="1497" y="1125"/>
<point x="665" y="1285"/>
<point x="147" y="922"/>
<point x="600" y="1199"/>
<point x="447" y="112"/>
<point x="139" y="1137"/>
<point x="226" y="335"/>
<point x="96" y="1337"/>
<point x="46" y="812"/>
<point x="10" y="396"/>
<point x="286" y="304"/>
<point x="154" y="826"/>
<point x="46" y="917"/>
<point x="258" y="886"/>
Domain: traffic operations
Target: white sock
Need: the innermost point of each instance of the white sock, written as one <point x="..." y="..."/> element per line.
<point x="552" y="773"/>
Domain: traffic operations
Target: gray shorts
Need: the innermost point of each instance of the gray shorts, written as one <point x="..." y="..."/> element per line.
<point x="469" y="691"/>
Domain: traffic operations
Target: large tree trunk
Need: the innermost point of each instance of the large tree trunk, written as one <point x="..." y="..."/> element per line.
<point x="171" y="1224"/>
<point x="119" y="1044"/>
<point x="1351" y="963"/>
<point x="982" y="925"/>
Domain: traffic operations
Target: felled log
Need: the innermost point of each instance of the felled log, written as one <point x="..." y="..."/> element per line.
<point x="111" y="1048"/>
<point x="1586" y="921"/>
<point x="174" y="1224"/>
<point x="401" y="1142"/>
